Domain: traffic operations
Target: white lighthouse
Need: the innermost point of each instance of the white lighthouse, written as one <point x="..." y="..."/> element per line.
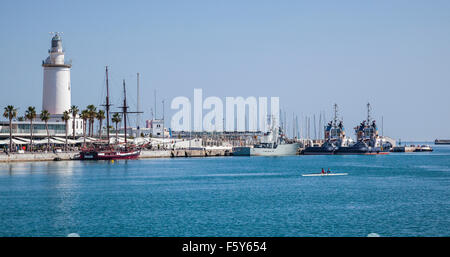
<point x="56" y="93"/>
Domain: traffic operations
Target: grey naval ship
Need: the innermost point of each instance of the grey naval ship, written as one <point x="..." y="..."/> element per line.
<point x="273" y="143"/>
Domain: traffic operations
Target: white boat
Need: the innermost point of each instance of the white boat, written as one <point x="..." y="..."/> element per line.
<point x="324" y="174"/>
<point x="272" y="144"/>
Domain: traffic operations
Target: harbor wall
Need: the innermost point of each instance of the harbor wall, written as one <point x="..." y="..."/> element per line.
<point x="26" y="157"/>
<point x="183" y="153"/>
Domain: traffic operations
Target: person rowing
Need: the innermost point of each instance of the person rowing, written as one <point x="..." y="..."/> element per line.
<point x="328" y="171"/>
<point x="323" y="171"/>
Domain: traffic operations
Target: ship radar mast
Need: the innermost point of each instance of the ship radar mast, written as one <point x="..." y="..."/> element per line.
<point x="369" y="108"/>
<point x="335" y="114"/>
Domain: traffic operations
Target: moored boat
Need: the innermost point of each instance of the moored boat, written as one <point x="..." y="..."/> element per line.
<point x="334" y="138"/>
<point x="442" y="142"/>
<point x="109" y="152"/>
<point x="423" y="148"/>
<point x="368" y="140"/>
<point x="94" y="154"/>
<point x="273" y="143"/>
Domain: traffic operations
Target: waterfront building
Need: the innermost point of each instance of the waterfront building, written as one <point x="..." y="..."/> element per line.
<point x="55" y="128"/>
<point x="157" y="128"/>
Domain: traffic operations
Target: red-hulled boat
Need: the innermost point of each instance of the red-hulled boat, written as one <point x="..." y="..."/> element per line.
<point x="108" y="152"/>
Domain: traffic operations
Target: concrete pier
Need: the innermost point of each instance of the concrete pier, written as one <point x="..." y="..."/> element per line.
<point x="27" y="157"/>
<point x="49" y="156"/>
<point x="183" y="153"/>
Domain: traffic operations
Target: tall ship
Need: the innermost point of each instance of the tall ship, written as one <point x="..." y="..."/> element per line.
<point x="368" y="139"/>
<point x="273" y="143"/>
<point x="334" y="137"/>
<point x="108" y="151"/>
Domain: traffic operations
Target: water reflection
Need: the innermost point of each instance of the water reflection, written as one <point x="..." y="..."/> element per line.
<point x="63" y="168"/>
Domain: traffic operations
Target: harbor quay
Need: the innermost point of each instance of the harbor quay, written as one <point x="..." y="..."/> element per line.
<point x="66" y="156"/>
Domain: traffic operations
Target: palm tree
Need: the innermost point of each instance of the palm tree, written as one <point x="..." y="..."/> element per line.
<point x="92" y="114"/>
<point x="30" y="114"/>
<point x="10" y="113"/>
<point x="84" y="116"/>
<point x="100" y="118"/>
<point x="74" y="110"/>
<point x="66" y="117"/>
<point x="45" y="116"/>
<point x="116" y="119"/>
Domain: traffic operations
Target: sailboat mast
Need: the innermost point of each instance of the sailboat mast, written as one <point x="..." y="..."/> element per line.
<point x="125" y="112"/>
<point x="138" y="116"/>
<point x="107" y="106"/>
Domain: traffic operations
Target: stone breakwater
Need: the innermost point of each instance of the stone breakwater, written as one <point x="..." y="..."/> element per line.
<point x="27" y="157"/>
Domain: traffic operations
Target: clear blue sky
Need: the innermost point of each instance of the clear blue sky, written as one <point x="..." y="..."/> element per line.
<point x="395" y="54"/>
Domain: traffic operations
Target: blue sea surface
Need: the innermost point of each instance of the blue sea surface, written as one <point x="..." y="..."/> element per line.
<point x="400" y="194"/>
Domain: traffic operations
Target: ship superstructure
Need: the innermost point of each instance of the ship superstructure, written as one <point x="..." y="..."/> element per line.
<point x="273" y="143"/>
<point x="334" y="137"/>
<point x="368" y="141"/>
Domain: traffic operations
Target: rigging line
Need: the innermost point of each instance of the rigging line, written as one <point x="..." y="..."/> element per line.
<point x="103" y="93"/>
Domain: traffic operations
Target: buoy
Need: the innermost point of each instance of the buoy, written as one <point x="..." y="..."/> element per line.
<point x="73" y="235"/>
<point x="112" y="161"/>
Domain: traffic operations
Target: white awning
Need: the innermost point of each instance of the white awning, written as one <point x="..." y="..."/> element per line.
<point x="46" y="141"/>
<point x="14" y="141"/>
<point x="26" y="140"/>
<point x="63" y="140"/>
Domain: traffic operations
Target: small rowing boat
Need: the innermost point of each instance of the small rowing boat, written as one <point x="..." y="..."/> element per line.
<point x="324" y="174"/>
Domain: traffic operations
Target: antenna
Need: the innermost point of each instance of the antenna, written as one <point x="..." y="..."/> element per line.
<point x="335" y="114"/>
<point x="56" y="33"/>
<point x="368" y="112"/>
<point x="155" y="106"/>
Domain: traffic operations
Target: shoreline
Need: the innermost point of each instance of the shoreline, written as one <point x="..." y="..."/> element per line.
<point x="145" y="154"/>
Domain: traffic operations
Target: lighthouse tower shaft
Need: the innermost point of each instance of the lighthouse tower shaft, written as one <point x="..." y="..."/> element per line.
<point x="56" y="91"/>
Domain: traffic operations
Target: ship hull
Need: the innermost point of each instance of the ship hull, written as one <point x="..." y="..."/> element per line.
<point x="241" y="151"/>
<point x="109" y="155"/>
<point x="360" y="150"/>
<point x="280" y="150"/>
<point x="318" y="153"/>
<point x="319" y="150"/>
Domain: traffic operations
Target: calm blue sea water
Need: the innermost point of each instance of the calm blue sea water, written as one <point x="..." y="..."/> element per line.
<point x="404" y="194"/>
